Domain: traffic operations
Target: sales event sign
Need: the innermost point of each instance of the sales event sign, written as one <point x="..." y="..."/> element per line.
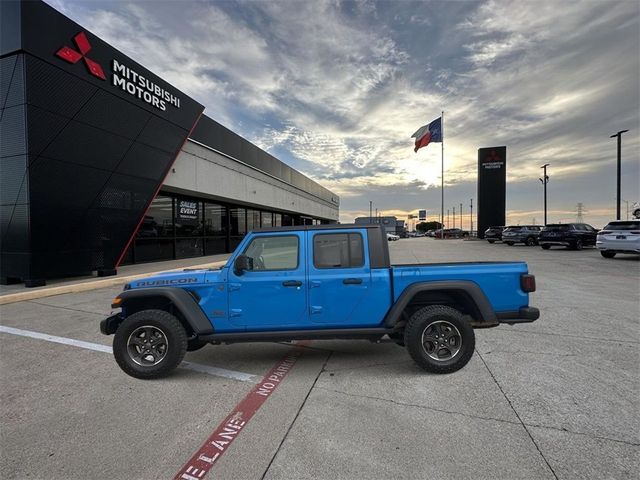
<point x="187" y="211"/>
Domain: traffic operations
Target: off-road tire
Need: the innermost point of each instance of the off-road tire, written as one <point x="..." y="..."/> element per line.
<point x="545" y="246"/>
<point x="418" y="324"/>
<point x="530" y="242"/>
<point x="168" y="325"/>
<point x="607" y="253"/>
<point x="195" y="344"/>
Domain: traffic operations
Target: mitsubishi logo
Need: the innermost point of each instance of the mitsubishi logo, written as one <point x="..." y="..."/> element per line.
<point x="73" y="56"/>
<point x="493" y="157"/>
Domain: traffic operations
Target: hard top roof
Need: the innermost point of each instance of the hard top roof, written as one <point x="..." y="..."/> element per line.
<point x="331" y="226"/>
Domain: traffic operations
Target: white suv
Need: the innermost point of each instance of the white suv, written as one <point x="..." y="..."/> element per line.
<point x="619" y="236"/>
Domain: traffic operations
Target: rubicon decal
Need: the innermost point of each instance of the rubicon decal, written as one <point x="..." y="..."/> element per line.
<point x="73" y="56"/>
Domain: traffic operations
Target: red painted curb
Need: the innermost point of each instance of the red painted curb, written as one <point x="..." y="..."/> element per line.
<point x="225" y="433"/>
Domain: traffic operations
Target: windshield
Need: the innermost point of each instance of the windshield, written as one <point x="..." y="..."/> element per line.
<point x="630" y="225"/>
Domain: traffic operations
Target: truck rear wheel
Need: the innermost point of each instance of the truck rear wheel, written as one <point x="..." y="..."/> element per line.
<point x="149" y="344"/>
<point x="439" y="339"/>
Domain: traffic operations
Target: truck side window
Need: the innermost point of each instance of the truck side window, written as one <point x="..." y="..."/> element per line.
<point x="338" y="250"/>
<point x="274" y="253"/>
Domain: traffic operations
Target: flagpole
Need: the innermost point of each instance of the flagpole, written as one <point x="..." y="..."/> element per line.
<point x="442" y="179"/>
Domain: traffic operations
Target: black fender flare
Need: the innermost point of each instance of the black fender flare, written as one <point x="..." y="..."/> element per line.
<point x="180" y="298"/>
<point x="471" y="289"/>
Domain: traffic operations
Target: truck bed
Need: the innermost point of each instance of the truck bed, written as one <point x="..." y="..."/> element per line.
<point x="500" y="281"/>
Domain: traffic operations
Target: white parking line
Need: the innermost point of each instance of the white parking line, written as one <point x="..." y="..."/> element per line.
<point x="196" y="367"/>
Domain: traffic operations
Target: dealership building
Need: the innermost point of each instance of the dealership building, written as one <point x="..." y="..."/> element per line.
<point x="103" y="163"/>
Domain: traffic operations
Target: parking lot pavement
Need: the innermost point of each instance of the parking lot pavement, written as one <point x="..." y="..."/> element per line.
<point x="557" y="398"/>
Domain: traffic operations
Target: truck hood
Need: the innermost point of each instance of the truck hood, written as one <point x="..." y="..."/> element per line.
<point x="184" y="278"/>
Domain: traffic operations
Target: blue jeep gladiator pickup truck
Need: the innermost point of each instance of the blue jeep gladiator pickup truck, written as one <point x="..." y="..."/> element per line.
<point x="317" y="282"/>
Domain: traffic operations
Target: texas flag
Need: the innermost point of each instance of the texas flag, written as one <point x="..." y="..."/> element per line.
<point x="428" y="133"/>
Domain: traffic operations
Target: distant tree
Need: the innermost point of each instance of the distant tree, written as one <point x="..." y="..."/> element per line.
<point x="425" y="226"/>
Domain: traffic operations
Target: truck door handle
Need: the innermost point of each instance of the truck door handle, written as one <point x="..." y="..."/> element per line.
<point x="292" y="283"/>
<point x="352" y="281"/>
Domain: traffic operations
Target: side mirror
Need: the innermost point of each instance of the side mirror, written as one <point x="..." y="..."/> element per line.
<point x="242" y="263"/>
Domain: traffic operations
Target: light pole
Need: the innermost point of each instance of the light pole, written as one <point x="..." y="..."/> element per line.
<point x="454" y="217"/>
<point x="627" y="202"/>
<point x="370" y="211"/>
<point x="545" y="180"/>
<point x="471" y="215"/>
<point x="619" y="135"/>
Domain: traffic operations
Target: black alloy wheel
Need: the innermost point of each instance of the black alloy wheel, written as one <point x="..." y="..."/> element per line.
<point x="439" y="339"/>
<point x="530" y="241"/>
<point x="577" y="245"/>
<point x="149" y="344"/>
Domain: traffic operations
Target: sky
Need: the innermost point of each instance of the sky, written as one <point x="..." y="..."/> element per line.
<point x="336" y="89"/>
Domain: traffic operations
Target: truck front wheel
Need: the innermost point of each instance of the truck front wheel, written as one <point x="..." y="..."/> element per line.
<point x="149" y="344"/>
<point x="439" y="339"/>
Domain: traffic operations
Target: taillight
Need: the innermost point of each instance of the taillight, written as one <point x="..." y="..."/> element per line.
<point x="528" y="283"/>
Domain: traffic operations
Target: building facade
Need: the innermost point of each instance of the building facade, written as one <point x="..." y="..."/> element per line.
<point x="103" y="163"/>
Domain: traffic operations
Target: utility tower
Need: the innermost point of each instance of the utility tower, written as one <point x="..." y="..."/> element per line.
<point x="580" y="211"/>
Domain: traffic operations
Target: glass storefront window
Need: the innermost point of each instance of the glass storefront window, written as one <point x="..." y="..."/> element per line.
<point x="158" y="222"/>
<point x="238" y="226"/>
<point x="253" y="220"/>
<point x="277" y="220"/>
<point x="188" y="217"/>
<point x="189" y="247"/>
<point x="267" y="219"/>
<point x="238" y="222"/>
<point x="287" y="220"/>
<point x="215" y="229"/>
<point x="215" y="219"/>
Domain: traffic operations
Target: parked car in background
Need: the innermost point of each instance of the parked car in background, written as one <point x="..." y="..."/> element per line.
<point x="455" y="233"/>
<point x="527" y="234"/>
<point x="392" y="238"/>
<point x="619" y="236"/>
<point x="493" y="234"/>
<point x="571" y="235"/>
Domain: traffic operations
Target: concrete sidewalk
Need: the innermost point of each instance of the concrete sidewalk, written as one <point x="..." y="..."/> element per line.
<point x="128" y="273"/>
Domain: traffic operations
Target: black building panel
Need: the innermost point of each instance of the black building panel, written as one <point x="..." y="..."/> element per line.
<point x="54" y="90"/>
<point x="112" y="114"/>
<point x="12" y="133"/>
<point x="83" y="144"/>
<point x="11" y="81"/>
<point x="146" y="162"/>
<point x="13" y="170"/>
